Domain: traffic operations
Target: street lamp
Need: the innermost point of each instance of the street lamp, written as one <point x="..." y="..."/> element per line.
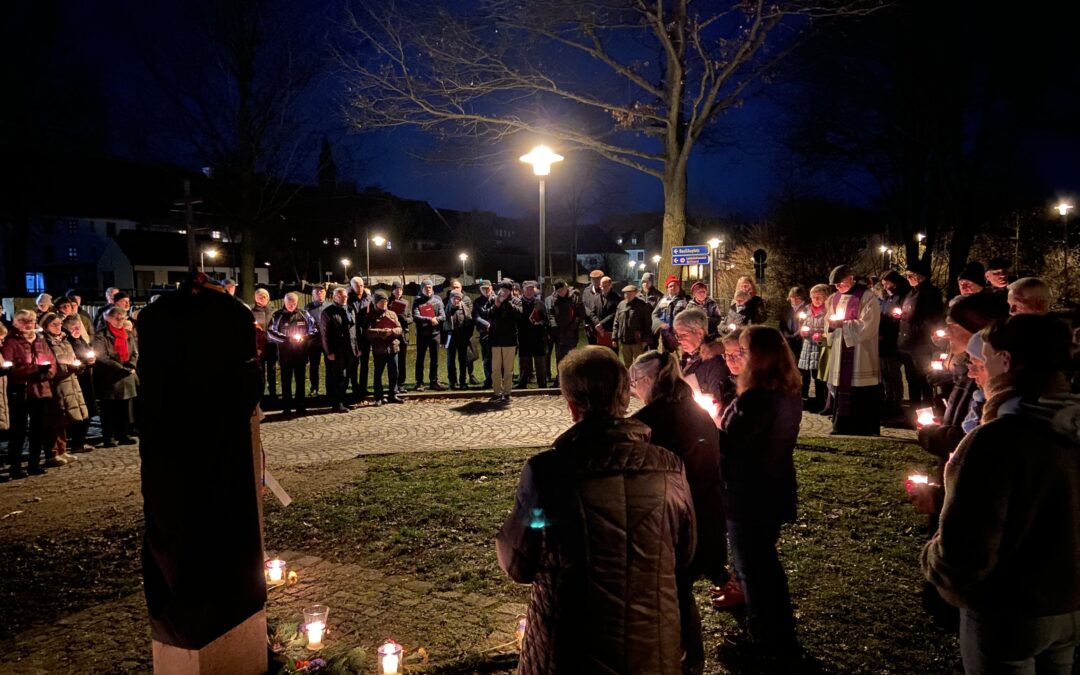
<point x="463" y="257"/>
<point x="656" y="262"/>
<point x="714" y="244"/>
<point x="541" y="158"/>
<point x="345" y="262"/>
<point x="631" y="265"/>
<point x="379" y="241"/>
<point x="203" y="254"/>
<point x="1063" y="209"/>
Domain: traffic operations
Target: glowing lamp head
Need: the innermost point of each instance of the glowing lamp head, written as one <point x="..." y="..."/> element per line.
<point x="920" y="237"/>
<point x="1063" y="208"/>
<point x="463" y="257"/>
<point x="714" y="243"/>
<point x="378" y="241"/>
<point x="211" y="253"/>
<point x="541" y="157"/>
<point x="655" y="259"/>
<point x="345" y="262"/>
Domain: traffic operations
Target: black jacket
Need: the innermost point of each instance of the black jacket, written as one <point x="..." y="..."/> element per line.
<point x="601" y="526"/>
<point x="459" y="321"/>
<point x="532" y="332"/>
<point x="923" y="310"/>
<point x="482" y="315"/>
<point x="684" y="428"/>
<point x="336" y="330"/>
<point x="633" y="323"/>
<point x="600" y="307"/>
<point x="757" y="466"/>
<point x="360" y="307"/>
<point x="667" y="308"/>
<point x="712" y="375"/>
<point x="504" y="319"/>
<point x="566" y="315"/>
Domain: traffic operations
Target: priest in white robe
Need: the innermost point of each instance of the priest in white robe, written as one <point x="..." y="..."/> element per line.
<point x="854" y="366"/>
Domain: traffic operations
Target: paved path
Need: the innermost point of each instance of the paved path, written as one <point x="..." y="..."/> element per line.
<point x="419" y="426"/>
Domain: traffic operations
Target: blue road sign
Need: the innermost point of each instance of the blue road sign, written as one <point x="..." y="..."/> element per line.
<point x="690" y="255"/>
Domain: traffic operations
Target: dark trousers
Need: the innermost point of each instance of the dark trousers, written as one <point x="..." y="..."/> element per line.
<point x="400" y="356"/>
<point x="314" y="358"/>
<point x="427" y="345"/>
<point x="485" y="353"/>
<point x="358" y="370"/>
<point x="387" y="362"/>
<point x="76" y="433"/>
<point x="915" y="365"/>
<point x="1006" y="642"/>
<point x="693" y="660"/>
<point x="292" y="376"/>
<point x="115" y="419"/>
<point x="770" y="620"/>
<point x="27" y="422"/>
<point x="268" y="365"/>
<point x="337" y="378"/>
<point x="530" y="364"/>
<point x="457" y="361"/>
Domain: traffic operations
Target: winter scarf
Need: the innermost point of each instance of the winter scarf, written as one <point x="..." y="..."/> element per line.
<point x="120" y="342"/>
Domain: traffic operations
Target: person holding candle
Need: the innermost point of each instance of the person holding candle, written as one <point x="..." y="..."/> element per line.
<point x="923" y="311"/>
<point x="682" y="427"/>
<point x="28" y="391"/>
<point x="602" y="527"/>
<point x="77" y="431"/>
<point x="792" y="318"/>
<point x="292" y="330"/>
<point x="667" y="308"/>
<point x="699" y="297"/>
<point x="711" y="372"/>
<point x="754" y="310"/>
<point x="1007" y="549"/>
<point x="812" y="329"/>
<point x="383" y="332"/>
<point x="757" y="480"/>
<point x="67" y="406"/>
<point x="115" y="381"/>
<point x="854" y="369"/>
<point x="737" y="315"/>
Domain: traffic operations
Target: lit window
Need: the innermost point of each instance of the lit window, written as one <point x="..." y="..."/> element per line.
<point x="73" y="253"/>
<point x="633" y="239"/>
<point x="35" y="283"/>
<point x="337" y="241"/>
<point x="215" y="234"/>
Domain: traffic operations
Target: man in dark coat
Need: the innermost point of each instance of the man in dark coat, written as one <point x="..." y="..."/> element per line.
<point x="360" y="304"/>
<point x="429" y="315"/>
<point x="649" y="292"/>
<point x="339" y="343"/>
<point x="459" y="321"/>
<point x="202" y="552"/>
<point x="399" y="307"/>
<point x="315" y="358"/>
<point x="532" y="337"/>
<point x="602" y="525"/>
<point x="566" y="314"/>
<point x="600" y="303"/>
<point x="923" y="311"/>
<point x="292" y="330"/>
<point x="482" y="316"/>
<point x="632" y="328"/>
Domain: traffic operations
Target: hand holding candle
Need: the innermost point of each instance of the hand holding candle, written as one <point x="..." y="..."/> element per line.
<point x="802" y="316"/>
<point x="940" y="332"/>
<point x="937" y="365"/>
<point x="731" y="326"/>
<point x="924" y="417"/>
<point x="804" y="330"/>
<point x="897" y="312"/>
<point x="8" y="364"/>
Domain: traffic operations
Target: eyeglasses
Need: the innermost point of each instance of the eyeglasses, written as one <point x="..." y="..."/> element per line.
<point x="683" y="334"/>
<point x="735" y="356"/>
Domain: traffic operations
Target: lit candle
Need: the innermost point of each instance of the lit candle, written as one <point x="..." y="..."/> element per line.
<point x="315" y="632"/>
<point x="802" y="315"/>
<point x="937" y="365"/>
<point x="390" y="658"/>
<point x="89" y="354"/>
<point x="924" y="417"/>
<point x="707" y="403"/>
<point x="919" y="479"/>
<point x="804" y="329"/>
<point x="275" y="571"/>
<point x="940" y="332"/>
<point x="8" y="364"/>
<point x="837" y="317"/>
<point x="76" y="362"/>
<point x="297" y="337"/>
<point x="731" y="326"/>
<point x="897" y="312"/>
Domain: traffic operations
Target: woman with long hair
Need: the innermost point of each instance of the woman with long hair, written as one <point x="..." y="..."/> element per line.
<point x="757" y="441"/>
<point x="684" y="428"/>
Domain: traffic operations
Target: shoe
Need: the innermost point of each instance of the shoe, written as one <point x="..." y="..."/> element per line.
<point x="109" y="443"/>
<point x="454" y="386"/>
<point x="339" y="408"/>
<point x="378" y="402"/>
<point x="84" y="448"/>
<point x="402" y="390"/>
<point x="486" y="384"/>
<point x="419" y="387"/>
<point x="313" y="392"/>
<point x="67" y="457"/>
<point x="438" y="386"/>
<point x="36" y="470"/>
<point x="55" y="462"/>
<point x="497" y="398"/>
<point x="473" y="381"/>
<point x="506" y="398"/>
<point x="728" y="596"/>
<point x="16" y="474"/>
<point x="362" y="395"/>
<point x="394" y="399"/>
<point x="127" y="440"/>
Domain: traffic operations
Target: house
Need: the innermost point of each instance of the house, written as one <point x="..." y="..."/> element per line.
<point x="598" y="250"/>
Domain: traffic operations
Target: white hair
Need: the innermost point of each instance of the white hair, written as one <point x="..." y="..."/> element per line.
<point x="357" y="280"/>
<point x="262" y="291"/>
<point x="292" y="296"/>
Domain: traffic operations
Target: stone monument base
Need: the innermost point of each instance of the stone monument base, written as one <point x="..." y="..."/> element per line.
<point x="241" y="651"/>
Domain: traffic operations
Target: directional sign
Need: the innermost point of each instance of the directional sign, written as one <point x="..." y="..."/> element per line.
<point x="690" y="255"/>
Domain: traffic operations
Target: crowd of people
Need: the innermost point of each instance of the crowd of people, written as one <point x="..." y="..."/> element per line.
<point x="613" y="526"/>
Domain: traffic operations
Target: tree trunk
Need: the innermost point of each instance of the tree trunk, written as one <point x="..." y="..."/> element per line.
<point x="674" y="218"/>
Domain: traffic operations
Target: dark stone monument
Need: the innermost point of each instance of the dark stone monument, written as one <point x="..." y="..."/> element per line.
<point x="201" y="483"/>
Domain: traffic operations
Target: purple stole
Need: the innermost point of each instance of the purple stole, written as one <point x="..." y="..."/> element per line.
<point x="847" y="354"/>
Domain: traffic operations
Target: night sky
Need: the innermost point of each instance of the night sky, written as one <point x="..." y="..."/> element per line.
<point x="742" y="179"/>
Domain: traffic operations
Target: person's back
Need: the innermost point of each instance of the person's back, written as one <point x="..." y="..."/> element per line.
<point x="602" y="524"/>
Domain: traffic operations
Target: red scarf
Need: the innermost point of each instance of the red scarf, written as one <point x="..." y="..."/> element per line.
<point x="120" y="343"/>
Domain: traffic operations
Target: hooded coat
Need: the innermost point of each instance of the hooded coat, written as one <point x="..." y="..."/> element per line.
<point x="602" y="524"/>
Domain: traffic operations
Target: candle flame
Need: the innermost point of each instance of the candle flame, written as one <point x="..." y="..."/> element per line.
<point x="708" y="404"/>
<point x="919" y="479"/>
<point x="937" y="365"/>
<point x="940" y="332"/>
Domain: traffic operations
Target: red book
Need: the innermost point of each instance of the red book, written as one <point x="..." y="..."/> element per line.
<point x="398" y="307"/>
<point x="386" y="321"/>
<point x="427" y="310"/>
<point x="535" y="317"/>
<point x="604" y="338"/>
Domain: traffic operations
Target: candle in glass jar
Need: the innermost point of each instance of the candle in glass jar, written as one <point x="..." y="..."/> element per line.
<point x="315" y="632"/>
<point x="390" y="658"/>
<point x="924" y="417"/>
<point x="275" y="571"/>
<point x="940" y="332"/>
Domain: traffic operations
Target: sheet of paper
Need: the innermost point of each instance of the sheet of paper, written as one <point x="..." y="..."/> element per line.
<point x="276" y="488"/>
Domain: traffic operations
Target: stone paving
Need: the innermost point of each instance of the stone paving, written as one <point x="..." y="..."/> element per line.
<point x="415" y="426"/>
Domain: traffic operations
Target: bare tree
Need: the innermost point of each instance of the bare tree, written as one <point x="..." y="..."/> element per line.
<point x="636" y="83"/>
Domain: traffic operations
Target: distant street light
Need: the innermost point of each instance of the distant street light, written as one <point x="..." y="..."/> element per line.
<point x="656" y="263"/>
<point x="714" y="244"/>
<point x="541" y="158"/>
<point x="345" y="262"/>
<point x="379" y="241"/>
<point x="204" y="254"/>
<point x="1063" y="209"/>
<point x="463" y="257"/>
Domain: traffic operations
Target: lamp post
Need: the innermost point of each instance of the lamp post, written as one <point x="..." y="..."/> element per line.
<point x="379" y="241"/>
<point x="631" y="265"/>
<point x="714" y="244"/>
<point x="883" y="248"/>
<point x="541" y="158"/>
<point x="203" y="254"/>
<point x="345" y="262"/>
<point x="463" y="257"/>
<point x="1063" y="209"/>
<point x="656" y="262"/>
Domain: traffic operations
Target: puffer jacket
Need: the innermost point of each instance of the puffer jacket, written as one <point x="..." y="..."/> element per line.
<point x="112" y="381"/>
<point x="67" y="393"/>
<point x="383" y="338"/>
<point x="601" y="526"/>
<point x="25" y="357"/>
<point x="1009" y="534"/>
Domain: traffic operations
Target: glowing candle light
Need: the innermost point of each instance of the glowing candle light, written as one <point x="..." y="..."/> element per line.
<point x="731" y="326"/>
<point x="315" y="626"/>
<point x="897" y="312"/>
<point x="275" y="571"/>
<point x="390" y="658"/>
<point x="8" y="364"/>
<point x="707" y="403"/>
<point x="919" y="479"/>
<point x="89" y="354"/>
<point x="76" y="362"/>
<point x="925" y="417"/>
<point x="837" y="317"/>
<point x="802" y="315"/>
<point x="940" y="332"/>
<point x="943" y="356"/>
<point x="937" y="365"/>
<point x="804" y="329"/>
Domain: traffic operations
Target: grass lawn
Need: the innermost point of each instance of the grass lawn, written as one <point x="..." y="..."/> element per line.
<point x="851" y="557"/>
